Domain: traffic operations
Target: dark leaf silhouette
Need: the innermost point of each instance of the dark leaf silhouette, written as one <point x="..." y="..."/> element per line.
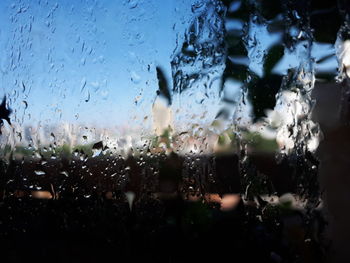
<point x="4" y="113"/>
<point x="262" y="94"/>
<point x="98" y="145"/>
<point x="325" y="20"/>
<point x="163" y="85"/>
<point x="323" y="59"/>
<point x="242" y="12"/>
<point x="228" y="100"/>
<point x="270" y="8"/>
<point x="325" y="76"/>
<point x="223" y="113"/>
<point x="234" y="71"/>
<point x="277" y="25"/>
<point x="273" y="56"/>
<point x="235" y="44"/>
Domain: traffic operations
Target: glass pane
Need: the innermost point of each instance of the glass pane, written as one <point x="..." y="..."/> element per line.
<point x="158" y="129"/>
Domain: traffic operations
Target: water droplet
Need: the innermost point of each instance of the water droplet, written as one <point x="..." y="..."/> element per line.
<point x="39" y="172"/>
<point x="130" y="196"/>
<point x="97" y="149"/>
<point x="25" y="104"/>
<point x="65" y="173"/>
<point x="83" y="84"/>
<point x="135" y="78"/>
<point x="88" y="96"/>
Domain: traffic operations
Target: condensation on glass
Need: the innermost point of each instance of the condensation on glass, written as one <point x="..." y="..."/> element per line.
<point x="203" y="99"/>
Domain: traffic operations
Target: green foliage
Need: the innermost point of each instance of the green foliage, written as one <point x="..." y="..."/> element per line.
<point x="259" y="143"/>
<point x="222" y="140"/>
<point x="20" y="150"/>
<point x="86" y="149"/>
<point x="166" y="136"/>
<point x="65" y="150"/>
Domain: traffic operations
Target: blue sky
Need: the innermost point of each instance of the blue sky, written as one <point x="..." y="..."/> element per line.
<point x="89" y="61"/>
<point x="86" y="60"/>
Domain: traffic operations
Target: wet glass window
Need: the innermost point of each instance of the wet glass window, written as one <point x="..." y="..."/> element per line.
<point x="174" y="130"/>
